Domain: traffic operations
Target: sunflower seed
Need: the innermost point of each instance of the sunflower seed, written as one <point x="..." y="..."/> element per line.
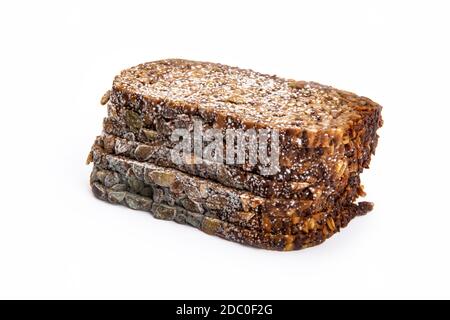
<point x="90" y="158"/>
<point x="331" y="225"/>
<point x="105" y="98"/>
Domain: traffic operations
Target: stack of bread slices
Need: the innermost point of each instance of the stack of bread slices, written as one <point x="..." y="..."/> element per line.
<point x="252" y="158"/>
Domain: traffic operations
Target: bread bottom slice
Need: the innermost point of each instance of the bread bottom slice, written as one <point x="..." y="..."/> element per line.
<point x="204" y="196"/>
<point x="120" y="183"/>
<point x="324" y="228"/>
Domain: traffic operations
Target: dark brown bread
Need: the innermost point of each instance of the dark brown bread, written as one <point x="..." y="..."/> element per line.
<point x="318" y="177"/>
<point x="147" y="122"/>
<point x="327" y="137"/>
<point x="228" y="97"/>
<point x="216" y="197"/>
<point x="293" y="162"/>
<point x="129" y="182"/>
<point x="315" y="229"/>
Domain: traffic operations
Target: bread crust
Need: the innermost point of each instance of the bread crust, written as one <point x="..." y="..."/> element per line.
<point x="271" y="214"/>
<point x="316" y="230"/>
<point x="230" y="97"/>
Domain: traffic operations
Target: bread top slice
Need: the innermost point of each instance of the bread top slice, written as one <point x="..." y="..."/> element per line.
<point x="231" y="96"/>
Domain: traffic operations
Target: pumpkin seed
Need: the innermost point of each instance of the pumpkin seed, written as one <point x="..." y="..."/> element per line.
<point x="116" y="196"/>
<point x="119" y="187"/>
<point x="210" y="226"/>
<point x="190" y="205"/>
<point x="143" y="152"/>
<point x="135" y="184"/>
<point x="163" y="212"/>
<point x="147" y="192"/>
<point x="133" y="121"/>
<point x="137" y="202"/>
<point x="150" y="134"/>
<point x="99" y="190"/>
<point x="112" y="179"/>
<point x="163" y="179"/>
<point x="194" y="219"/>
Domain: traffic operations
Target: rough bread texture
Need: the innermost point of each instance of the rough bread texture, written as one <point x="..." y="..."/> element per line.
<point x="295" y="163"/>
<point x="316" y="229"/>
<point x="317" y="179"/>
<point x="214" y="197"/>
<point x="228" y="97"/>
<point x="236" y="212"/>
<point x="326" y="139"/>
<point x="120" y="184"/>
<point x="148" y="122"/>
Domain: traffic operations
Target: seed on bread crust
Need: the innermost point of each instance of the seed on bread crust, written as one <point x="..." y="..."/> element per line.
<point x="105" y="98"/>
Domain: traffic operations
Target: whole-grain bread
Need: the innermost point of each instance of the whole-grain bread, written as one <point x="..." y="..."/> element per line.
<point x="129" y="182"/>
<point x="149" y="123"/>
<point x="318" y="178"/>
<point x="315" y="229"/>
<point x="294" y="163"/>
<point x="217" y="200"/>
<point x="310" y="114"/>
<point x="326" y="139"/>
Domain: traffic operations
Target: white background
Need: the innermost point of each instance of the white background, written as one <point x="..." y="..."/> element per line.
<point x="59" y="57"/>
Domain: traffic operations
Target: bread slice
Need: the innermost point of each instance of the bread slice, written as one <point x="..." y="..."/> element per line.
<point x="314" y="174"/>
<point x="311" y="114"/>
<point x="129" y="182"/>
<point x="315" y="229"/>
<point x="160" y="130"/>
<point x="204" y="196"/>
